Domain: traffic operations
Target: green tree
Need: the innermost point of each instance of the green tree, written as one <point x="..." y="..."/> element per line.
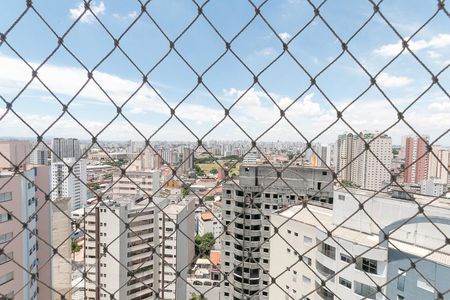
<point x="185" y="190"/>
<point x="214" y="171"/>
<point x="197" y="297"/>
<point x="204" y="244"/>
<point x="93" y="185"/>
<point x="209" y="198"/>
<point x="75" y="247"/>
<point x="199" y="171"/>
<point x="346" y="182"/>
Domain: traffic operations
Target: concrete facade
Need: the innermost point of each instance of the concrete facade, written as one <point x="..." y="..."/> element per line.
<point x="357" y="258"/>
<point x="245" y="245"/>
<point x="69" y="184"/>
<point x="140" y="182"/>
<point x="19" y="199"/>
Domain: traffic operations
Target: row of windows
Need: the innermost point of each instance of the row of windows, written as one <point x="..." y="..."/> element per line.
<point x="5" y="196"/>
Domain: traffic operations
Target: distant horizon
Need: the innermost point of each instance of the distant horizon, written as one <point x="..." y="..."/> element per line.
<point x="88" y="141"/>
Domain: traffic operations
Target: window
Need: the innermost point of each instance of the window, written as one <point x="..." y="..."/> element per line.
<point x="365" y="290"/>
<point x="341" y="197"/>
<point x="307" y="260"/>
<point x="7" y="277"/>
<point x="345" y="282"/>
<point x="6" y="237"/>
<point x="423" y="284"/>
<point x="5" y="217"/>
<point x="366" y="265"/>
<point x="4" y="258"/>
<point x="400" y="297"/>
<point x="306" y="280"/>
<point x="327" y="250"/>
<point x="5" y="196"/>
<point x="346" y="258"/>
<point x="401" y="280"/>
<point x="307" y="240"/>
<point x="289" y="232"/>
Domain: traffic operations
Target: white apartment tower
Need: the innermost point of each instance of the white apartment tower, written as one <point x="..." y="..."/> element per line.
<point x="68" y="172"/>
<point x="176" y="231"/>
<point x="129" y="266"/>
<point x="246" y="210"/>
<point x="357" y="258"/>
<point x="366" y="168"/>
<point x="69" y="184"/>
<point x="141" y="261"/>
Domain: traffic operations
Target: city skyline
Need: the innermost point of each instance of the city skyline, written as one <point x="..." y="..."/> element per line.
<point x="234" y="150"/>
<point x="402" y="82"/>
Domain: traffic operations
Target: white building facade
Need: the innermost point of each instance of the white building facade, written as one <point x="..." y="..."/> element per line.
<point x="176" y="230"/>
<point x="357" y="259"/>
<point x="69" y="184"/>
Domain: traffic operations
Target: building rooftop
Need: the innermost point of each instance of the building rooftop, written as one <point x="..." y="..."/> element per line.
<point x="442" y="202"/>
<point x="207" y="216"/>
<point x="322" y="218"/>
<point x="214" y="256"/>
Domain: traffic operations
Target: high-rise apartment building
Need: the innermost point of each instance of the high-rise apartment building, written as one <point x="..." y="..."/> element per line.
<point x="246" y="211"/>
<point x="176" y="232"/>
<point x="139" y="260"/>
<point x="21" y="255"/>
<point x="416" y="159"/>
<point x="65" y="148"/>
<point x="368" y="169"/>
<point x="121" y="260"/>
<point x="438" y="164"/>
<point x="40" y="155"/>
<point x="357" y="258"/>
<point x="345" y="153"/>
<point x="187" y="161"/>
<point x="69" y="182"/>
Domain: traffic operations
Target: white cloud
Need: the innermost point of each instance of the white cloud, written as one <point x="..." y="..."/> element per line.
<point x="440" y="106"/>
<point x="285" y="36"/>
<point x="434" y="54"/>
<point x="439" y="41"/>
<point x="132" y="15"/>
<point x="255" y="112"/>
<point x="88" y="17"/>
<point x="269" y="51"/>
<point x="387" y="80"/>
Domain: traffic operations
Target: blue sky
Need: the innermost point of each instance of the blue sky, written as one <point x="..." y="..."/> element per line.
<point x="257" y="46"/>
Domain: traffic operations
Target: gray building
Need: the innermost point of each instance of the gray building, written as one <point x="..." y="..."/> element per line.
<point x="246" y="209"/>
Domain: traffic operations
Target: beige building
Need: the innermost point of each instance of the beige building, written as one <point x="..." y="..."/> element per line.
<point x="61" y="264"/>
<point x="364" y="168"/>
<point x="136" y="183"/>
<point x="19" y="199"/>
<point x="18" y="152"/>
